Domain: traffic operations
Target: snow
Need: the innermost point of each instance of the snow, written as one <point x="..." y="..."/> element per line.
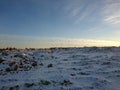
<point x="88" y="68"/>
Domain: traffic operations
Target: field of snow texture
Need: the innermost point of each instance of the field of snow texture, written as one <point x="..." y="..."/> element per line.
<point x="88" y="68"/>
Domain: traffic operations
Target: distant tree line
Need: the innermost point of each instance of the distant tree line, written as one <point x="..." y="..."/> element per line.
<point x="8" y="48"/>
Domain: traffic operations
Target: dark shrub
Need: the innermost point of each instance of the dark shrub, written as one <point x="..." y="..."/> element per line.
<point x="45" y="82"/>
<point x="29" y="84"/>
<point x="50" y="65"/>
<point x="8" y="69"/>
<point x="1" y="60"/>
<point x="66" y="82"/>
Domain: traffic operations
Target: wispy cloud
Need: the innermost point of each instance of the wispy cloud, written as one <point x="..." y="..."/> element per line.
<point x="112" y="11"/>
<point x="103" y="10"/>
<point x="81" y="10"/>
<point x="96" y="30"/>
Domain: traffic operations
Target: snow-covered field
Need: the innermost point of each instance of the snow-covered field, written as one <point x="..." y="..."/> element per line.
<point x="88" y="68"/>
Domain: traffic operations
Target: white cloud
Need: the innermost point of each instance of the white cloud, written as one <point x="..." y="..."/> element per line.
<point x="75" y="11"/>
<point x="112" y="11"/>
<point x="106" y="10"/>
<point x="81" y="10"/>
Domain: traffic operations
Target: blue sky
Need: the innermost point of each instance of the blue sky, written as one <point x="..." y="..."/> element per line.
<point x="47" y="23"/>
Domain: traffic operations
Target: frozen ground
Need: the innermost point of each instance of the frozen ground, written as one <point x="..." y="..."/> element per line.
<point x="60" y="69"/>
